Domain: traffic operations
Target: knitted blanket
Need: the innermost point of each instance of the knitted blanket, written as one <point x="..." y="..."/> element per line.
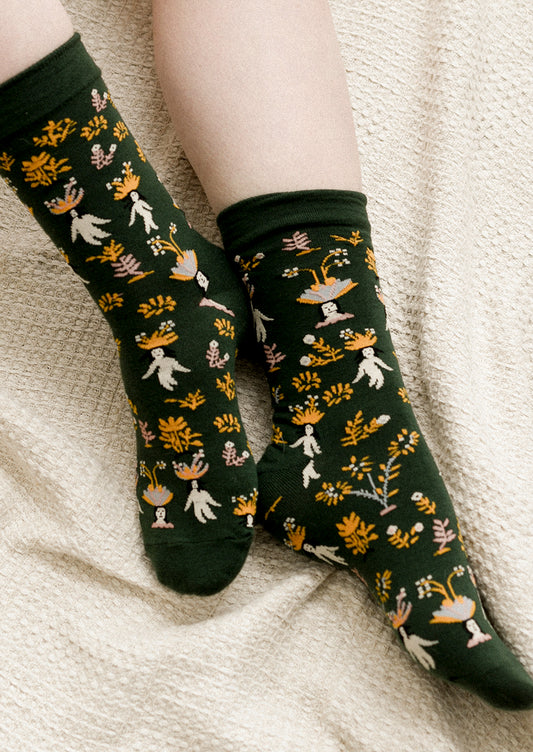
<point x="96" y="655"/>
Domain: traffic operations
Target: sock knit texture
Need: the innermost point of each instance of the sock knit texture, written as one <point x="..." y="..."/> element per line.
<point x="174" y="305"/>
<point x="348" y="478"/>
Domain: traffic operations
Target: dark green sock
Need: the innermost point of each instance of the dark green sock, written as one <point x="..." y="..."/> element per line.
<point x="348" y="478"/>
<point x="174" y="305"/>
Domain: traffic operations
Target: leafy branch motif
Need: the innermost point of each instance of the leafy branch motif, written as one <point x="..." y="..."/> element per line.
<point x="423" y="504"/>
<point x="55" y="133"/>
<point x="371" y="261"/>
<point x="400" y="539"/>
<point x="147" y="435"/>
<point x="227" y="423"/>
<point x="295" y="534"/>
<point x="336" y="393"/>
<point x="225" y="328"/>
<point x="227" y="386"/>
<point x="213" y="355"/>
<point x="383" y="585"/>
<point x="272" y="357"/>
<point x="230" y="456"/>
<point x="192" y="400"/>
<point x="442" y="536"/>
<point x="156" y="306"/>
<point x="108" y="301"/>
<point x="389" y="471"/>
<point x="176" y="434"/>
<point x="124" y="265"/>
<point x="246" y="507"/>
<point x="332" y="494"/>
<point x="6" y="161"/>
<point x="323" y="353"/>
<point x="356" y="533"/>
<point x="94" y="127"/>
<point x="356" y="430"/>
<point x="306" y="381"/>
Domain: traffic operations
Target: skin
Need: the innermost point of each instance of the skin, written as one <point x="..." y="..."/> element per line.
<point x="263" y="87"/>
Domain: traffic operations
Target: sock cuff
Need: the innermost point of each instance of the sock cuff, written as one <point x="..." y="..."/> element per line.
<point x="253" y="220"/>
<point x="35" y="92"/>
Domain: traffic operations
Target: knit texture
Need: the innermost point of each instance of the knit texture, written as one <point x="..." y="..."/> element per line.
<point x="96" y="655"/>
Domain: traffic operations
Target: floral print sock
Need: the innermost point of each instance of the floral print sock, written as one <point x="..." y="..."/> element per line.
<point x="348" y="478"/>
<point x="175" y="307"/>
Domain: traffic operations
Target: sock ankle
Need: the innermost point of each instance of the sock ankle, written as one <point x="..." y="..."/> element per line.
<point x="348" y="478"/>
<point x="175" y="307"/>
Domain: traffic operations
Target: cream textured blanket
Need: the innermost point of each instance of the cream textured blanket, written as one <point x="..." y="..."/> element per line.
<point x="95" y="654"/>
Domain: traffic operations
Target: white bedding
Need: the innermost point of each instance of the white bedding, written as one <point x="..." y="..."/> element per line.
<point x="95" y="654"/>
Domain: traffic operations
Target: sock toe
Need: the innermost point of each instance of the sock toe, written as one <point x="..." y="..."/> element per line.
<point x="199" y="568"/>
<point x="507" y="687"/>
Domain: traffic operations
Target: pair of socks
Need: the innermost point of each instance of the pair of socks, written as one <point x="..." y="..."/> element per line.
<point x="348" y="479"/>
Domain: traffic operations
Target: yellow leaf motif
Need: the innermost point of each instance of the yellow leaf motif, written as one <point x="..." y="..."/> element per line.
<point x="6" y="162"/>
<point x="94" y="127"/>
<point x="110" y="300"/>
<point x="332" y="494"/>
<point x="192" y="401"/>
<point x="111" y="252"/>
<point x="383" y="584"/>
<point x="227" y="385"/>
<point x="323" y="354"/>
<point x="402" y="391"/>
<point x="354" y="239"/>
<point x="43" y="169"/>
<point x="277" y="435"/>
<point x="356" y="533"/>
<point x="156" y="306"/>
<point x="371" y="261"/>
<point x="295" y="534"/>
<point x="176" y="434"/>
<point x="404" y="444"/>
<point x="246" y="505"/>
<point x="55" y="133"/>
<point x="358" y="468"/>
<point x="227" y="423"/>
<point x="120" y="131"/>
<point x="355" y="430"/>
<point x="306" y="381"/>
<point x="423" y="504"/>
<point x="336" y="393"/>
<point x="225" y="328"/>
<point x="400" y="540"/>
<point x="141" y="153"/>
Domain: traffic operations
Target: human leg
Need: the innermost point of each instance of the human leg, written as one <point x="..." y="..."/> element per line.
<point x="169" y="296"/>
<point x="348" y="478"/>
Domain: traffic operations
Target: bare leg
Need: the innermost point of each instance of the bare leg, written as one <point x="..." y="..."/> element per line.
<point x="258" y="95"/>
<point x="30" y="30"/>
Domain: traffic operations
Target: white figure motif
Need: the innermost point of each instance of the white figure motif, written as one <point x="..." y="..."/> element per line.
<point x="370" y="366"/>
<point x="415" y="647"/>
<point x="325" y="553"/>
<point x="310" y="449"/>
<point x="200" y="500"/>
<point x="165" y="367"/>
<point x="142" y="209"/>
<point x="87" y="227"/>
<point x="260" y="331"/>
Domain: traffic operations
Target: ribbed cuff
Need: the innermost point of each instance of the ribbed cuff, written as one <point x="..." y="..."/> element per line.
<point x="35" y="92"/>
<point x="251" y="221"/>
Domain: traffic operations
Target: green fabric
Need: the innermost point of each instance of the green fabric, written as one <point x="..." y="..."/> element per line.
<point x="175" y="307"/>
<point x="348" y="478"/>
